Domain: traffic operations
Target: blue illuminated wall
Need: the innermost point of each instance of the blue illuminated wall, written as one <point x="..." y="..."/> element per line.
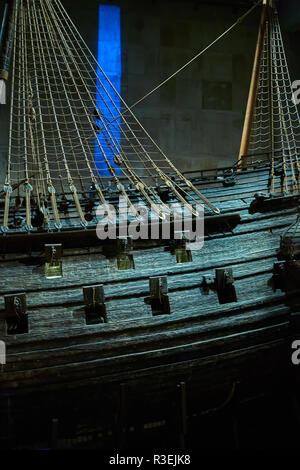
<point x="109" y="58"/>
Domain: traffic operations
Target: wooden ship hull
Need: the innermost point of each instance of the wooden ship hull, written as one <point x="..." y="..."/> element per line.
<point x="118" y="344"/>
<point x="138" y="367"/>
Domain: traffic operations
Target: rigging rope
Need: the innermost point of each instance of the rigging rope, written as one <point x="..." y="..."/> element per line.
<point x="62" y="113"/>
<point x="275" y="127"/>
<point x="55" y="128"/>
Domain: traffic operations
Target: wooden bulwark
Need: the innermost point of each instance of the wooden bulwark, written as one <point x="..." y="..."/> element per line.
<point x="201" y="341"/>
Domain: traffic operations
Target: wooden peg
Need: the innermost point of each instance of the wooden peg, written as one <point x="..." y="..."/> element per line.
<point x="94" y="300"/>
<point x="225" y="286"/>
<point x="16" y="313"/>
<point x="178" y="247"/>
<point x="124" y="257"/>
<point x="159" y="298"/>
<point x="53" y="265"/>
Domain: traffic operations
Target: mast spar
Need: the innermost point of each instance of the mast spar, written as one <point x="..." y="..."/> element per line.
<point x="254" y="85"/>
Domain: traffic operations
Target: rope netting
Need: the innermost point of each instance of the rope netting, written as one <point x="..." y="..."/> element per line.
<point x="71" y="131"/>
<point x="72" y="134"/>
<point x="276" y="126"/>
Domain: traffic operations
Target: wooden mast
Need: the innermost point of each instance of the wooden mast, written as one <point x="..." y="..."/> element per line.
<point x="253" y="86"/>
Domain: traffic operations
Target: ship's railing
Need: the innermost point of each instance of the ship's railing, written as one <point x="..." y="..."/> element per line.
<point x="254" y="161"/>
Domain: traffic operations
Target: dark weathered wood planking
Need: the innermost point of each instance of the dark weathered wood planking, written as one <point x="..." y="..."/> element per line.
<point x="61" y="351"/>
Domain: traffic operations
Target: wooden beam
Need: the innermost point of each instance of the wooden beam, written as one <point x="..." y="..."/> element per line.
<point x="253" y="86"/>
